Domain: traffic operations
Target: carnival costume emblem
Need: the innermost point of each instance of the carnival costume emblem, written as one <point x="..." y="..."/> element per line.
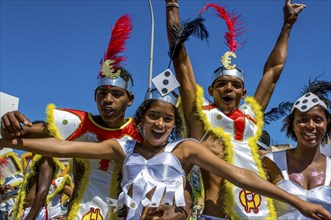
<point x="108" y="70"/>
<point x="226" y="60"/>
<point x="250" y="201"/>
<point x="235" y="28"/>
<point x="93" y="214"/>
<point x="110" y="73"/>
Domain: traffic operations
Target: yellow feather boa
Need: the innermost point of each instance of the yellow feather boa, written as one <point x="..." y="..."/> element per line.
<point x="228" y="150"/>
<point x="18" y="163"/>
<point x="51" y="127"/>
<point x="114" y="186"/>
<point x="16" y="159"/>
<point x="65" y="181"/>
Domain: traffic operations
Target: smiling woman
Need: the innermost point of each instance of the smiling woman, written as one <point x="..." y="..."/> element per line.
<point x="303" y="171"/>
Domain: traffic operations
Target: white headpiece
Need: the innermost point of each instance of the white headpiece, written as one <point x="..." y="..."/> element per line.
<point x="307" y="102"/>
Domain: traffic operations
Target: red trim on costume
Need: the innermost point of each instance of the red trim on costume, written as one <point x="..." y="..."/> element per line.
<point x="54" y="184"/>
<point x="209" y="107"/>
<point x="250" y="118"/>
<point x="102" y="133"/>
<point x="46" y="212"/>
<point x="239" y="124"/>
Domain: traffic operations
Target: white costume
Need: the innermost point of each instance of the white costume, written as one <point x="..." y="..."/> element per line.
<point x="239" y="131"/>
<point x="95" y="179"/>
<point x="320" y="195"/>
<point x="163" y="172"/>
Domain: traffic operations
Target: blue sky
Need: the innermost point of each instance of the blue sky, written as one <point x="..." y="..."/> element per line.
<point x="50" y="50"/>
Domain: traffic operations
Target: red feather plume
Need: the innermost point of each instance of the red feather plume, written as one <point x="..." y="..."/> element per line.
<point x="232" y="22"/>
<point x="120" y="33"/>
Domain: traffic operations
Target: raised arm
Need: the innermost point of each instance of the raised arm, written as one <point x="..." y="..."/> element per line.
<point x="277" y="58"/>
<point x="191" y="152"/>
<point x="53" y="147"/>
<point x="184" y="75"/>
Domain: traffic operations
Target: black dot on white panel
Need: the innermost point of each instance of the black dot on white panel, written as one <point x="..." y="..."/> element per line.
<point x="315" y="100"/>
<point x="164" y="90"/>
<point x="303" y="107"/>
<point x="167" y="73"/>
<point x="307" y="95"/>
<point x="165" y="82"/>
<point x="297" y="103"/>
<point x="305" y="101"/>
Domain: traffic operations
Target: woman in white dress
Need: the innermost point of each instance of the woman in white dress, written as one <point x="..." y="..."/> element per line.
<point x="303" y="171"/>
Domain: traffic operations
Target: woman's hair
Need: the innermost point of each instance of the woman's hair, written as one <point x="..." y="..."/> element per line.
<point x="288" y="123"/>
<point x="142" y="109"/>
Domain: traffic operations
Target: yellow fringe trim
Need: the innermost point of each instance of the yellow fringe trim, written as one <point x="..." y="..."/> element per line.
<point x="24" y="160"/>
<point x="15" y="158"/>
<point x="50" y="119"/>
<point x="81" y="189"/>
<point x="65" y="181"/>
<point x="18" y="206"/>
<point x="228" y="150"/>
<point x="65" y="170"/>
<point x="114" y="189"/>
<point x="19" y="166"/>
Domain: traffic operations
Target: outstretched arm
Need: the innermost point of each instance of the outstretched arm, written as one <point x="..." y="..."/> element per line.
<point x="184" y="75"/>
<point x="276" y="60"/>
<point x="190" y="152"/>
<point x="45" y="178"/>
<point x="53" y="147"/>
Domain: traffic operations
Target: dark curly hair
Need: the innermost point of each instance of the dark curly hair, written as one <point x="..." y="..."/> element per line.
<point x="289" y="120"/>
<point x="142" y="109"/>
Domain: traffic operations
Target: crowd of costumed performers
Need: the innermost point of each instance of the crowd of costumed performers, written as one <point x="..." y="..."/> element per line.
<point x="180" y="156"/>
<point x="33" y="186"/>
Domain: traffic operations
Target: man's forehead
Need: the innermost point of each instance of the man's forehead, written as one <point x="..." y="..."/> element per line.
<point x="111" y="88"/>
<point x="228" y="78"/>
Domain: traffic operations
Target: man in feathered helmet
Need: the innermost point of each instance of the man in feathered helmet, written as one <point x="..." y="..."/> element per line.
<point x="229" y="130"/>
<point x="94" y="180"/>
